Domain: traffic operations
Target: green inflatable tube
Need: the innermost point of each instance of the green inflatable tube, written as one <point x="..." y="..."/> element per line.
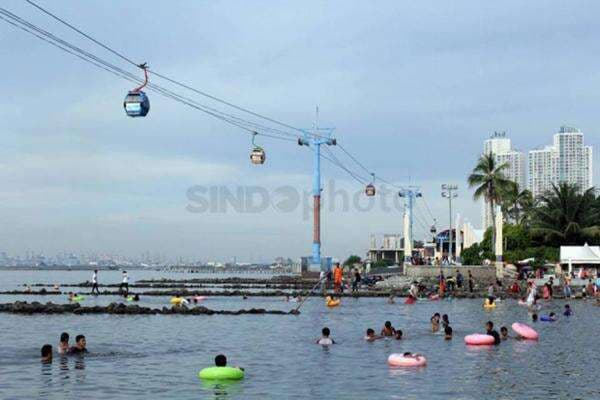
<point x="221" y="373"/>
<point x="78" y="298"/>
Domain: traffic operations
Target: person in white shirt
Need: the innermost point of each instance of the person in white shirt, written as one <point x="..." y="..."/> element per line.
<point x="95" y="282"/>
<point x="124" y="284"/>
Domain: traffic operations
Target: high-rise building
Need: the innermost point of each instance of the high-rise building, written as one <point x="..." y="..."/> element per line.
<point x="500" y="146"/>
<point x="566" y="160"/>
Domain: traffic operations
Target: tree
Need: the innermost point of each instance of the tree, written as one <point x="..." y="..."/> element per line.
<point x="489" y="180"/>
<point x="516" y="204"/>
<point x="353" y="259"/>
<point x="565" y="216"/>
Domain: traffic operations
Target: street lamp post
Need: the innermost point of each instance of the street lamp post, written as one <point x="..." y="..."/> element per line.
<point x="449" y="192"/>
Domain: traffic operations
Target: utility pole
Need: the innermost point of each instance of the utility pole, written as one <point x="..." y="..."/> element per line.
<point x="315" y="139"/>
<point x="410" y="193"/>
<point x="449" y="191"/>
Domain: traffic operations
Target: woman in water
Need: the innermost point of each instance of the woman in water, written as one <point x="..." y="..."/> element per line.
<point x="435" y="322"/>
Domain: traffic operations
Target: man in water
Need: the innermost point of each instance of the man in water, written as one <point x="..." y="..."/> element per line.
<point x="325" y="340"/>
<point x="489" y="326"/>
<point x="124" y="283"/>
<point x="567" y="312"/>
<point x="371" y="336"/>
<point x="80" y="345"/>
<point x="46" y="353"/>
<point x="63" y="345"/>
<point x="95" y="282"/>
<point x="221" y="361"/>
<point x="534" y="318"/>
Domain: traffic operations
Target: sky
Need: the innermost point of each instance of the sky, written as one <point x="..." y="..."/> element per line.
<point x="412" y="89"/>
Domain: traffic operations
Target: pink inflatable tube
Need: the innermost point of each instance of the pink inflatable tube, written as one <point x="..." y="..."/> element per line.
<point x="398" y="360"/>
<point x="526" y="332"/>
<point x="477" y="339"/>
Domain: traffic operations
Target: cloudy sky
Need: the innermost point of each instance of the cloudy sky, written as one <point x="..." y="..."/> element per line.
<point x="412" y="88"/>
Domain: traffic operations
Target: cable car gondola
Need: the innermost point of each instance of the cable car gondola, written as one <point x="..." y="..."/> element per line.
<point x="370" y="189"/>
<point x="258" y="155"/>
<point x="136" y="103"/>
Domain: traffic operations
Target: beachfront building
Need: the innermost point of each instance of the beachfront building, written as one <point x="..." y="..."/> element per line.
<point x="501" y="147"/>
<point x="391" y="249"/>
<point x="568" y="160"/>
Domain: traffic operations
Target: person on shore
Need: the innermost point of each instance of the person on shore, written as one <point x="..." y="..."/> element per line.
<point x="589" y="288"/>
<point x="124" y="283"/>
<point x="95" y="282"/>
<point x="435" y="322"/>
<point x="80" y="345"/>
<point x="46" y="353"/>
<point x="356" y="282"/>
<point x="371" y="336"/>
<point x="568" y="292"/>
<point x="489" y="326"/>
<point x="398" y="334"/>
<point x="448" y="333"/>
<point x="63" y="344"/>
<point x="445" y="321"/>
<point x="503" y="333"/>
<point x="338" y="276"/>
<point x="323" y="281"/>
<point x="568" y="312"/>
<point x="325" y="340"/>
<point x="471" y="281"/>
<point x="388" y="329"/>
<point x="534" y="317"/>
<point x="459" y="279"/>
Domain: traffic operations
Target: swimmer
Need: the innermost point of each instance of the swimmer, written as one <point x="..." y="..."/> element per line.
<point x="489" y="327"/>
<point x="80" y="345"/>
<point x="568" y="312"/>
<point x="371" y="336"/>
<point x="503" y="333"/>
<point x="448" y="333"/>
<point x="398" y="335"/>
<point x="298" y="299"/>
<point x="435" y="322"/>
<point x="534" y="317"/>
<point x="325" y="340"/>
<point x="416" y="356"/>
<point x="46" y="353"/>
<point x="445" y="321"/>
<point x="70" y="296"/>
<point x="63" y="345"/>
<point x="552" y="316"/>
<point x="136" y="297"/>
<point x="391" y="300"/>
<point x="221" y="361"/>
<point x="388" y="329"/>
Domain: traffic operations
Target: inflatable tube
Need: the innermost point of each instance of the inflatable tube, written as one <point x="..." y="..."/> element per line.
<point x="398" y="360"/>
<point x="129" y="298"/>
<point x="546" y="318"/>
<point x="525" y="331"/>
<point x="478" y="339"/>
<point x="78" y="298"/>
<point x="221" y="373"/>
<point x="176" y="300"/>
<point x="333" y="303"/>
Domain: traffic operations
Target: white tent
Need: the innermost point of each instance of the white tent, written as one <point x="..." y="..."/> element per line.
<point x="579" y="255"/>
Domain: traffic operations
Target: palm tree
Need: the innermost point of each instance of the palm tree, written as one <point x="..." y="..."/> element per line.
<point x="567" y="216"/>
<point x="489" y="180"/>
<point x="517" y="204"/>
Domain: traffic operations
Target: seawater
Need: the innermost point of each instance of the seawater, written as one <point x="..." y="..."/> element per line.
<point x="147" y="357"/>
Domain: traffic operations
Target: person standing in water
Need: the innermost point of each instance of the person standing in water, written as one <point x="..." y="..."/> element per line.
<point x="325" y="340"/>
<point x="124" y="283"/>
<point x="46" y="353"/>
<point x="95" y="282"/>
<point x="63" y="345"/>
<point x="489" y="326"/>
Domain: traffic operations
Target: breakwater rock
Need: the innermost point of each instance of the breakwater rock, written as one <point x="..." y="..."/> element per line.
<point x="23" y="307"/>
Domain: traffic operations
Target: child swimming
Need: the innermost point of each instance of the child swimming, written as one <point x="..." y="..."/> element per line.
<point x="568" y="312"/>
<point x="388" y="329"/>
<point x="371" y="336"/>
<point x="398" y="335"/>
<point x="503" y="333"/>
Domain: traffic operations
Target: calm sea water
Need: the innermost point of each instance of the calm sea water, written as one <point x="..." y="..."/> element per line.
<point x="147" y="357"/>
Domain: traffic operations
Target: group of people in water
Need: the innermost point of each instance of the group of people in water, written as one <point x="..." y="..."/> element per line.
<point x="64" y="348"/>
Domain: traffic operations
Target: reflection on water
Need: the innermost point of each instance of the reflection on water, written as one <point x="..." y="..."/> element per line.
<point x="221" y="390"/>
